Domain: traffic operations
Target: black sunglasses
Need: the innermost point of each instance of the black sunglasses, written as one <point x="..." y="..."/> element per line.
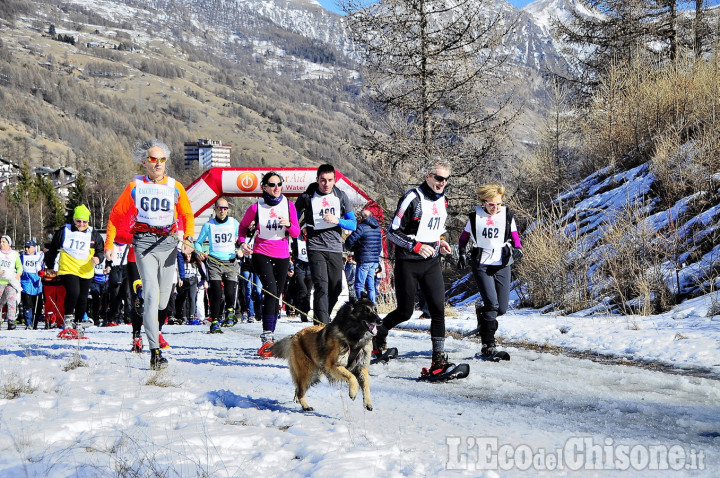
<point x="441" y="179"/>
<point x="272" y="185"/>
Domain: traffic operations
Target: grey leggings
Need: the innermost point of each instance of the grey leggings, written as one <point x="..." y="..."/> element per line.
<point x="156" y="257"/>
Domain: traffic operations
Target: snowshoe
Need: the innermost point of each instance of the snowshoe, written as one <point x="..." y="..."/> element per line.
<point x="71" y="334"/>
<point x="496" y="356"/>
<point x="230" y="318"/>
<point x="447" y="372"/>
<point x="163" y="343"/>
<point x="137" y="345"/>
<point x="195" y="322"/>
<point x="157" y="361"/>
<point x="385" y="356"/>
<point x="215" y="327"/>
<point x="266" y="350"/>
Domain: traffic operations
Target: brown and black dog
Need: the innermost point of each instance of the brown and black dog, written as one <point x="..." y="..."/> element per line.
<point x="340" y="350"/>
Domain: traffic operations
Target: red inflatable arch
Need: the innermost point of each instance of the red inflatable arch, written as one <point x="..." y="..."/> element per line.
<point x="235" y="182"/>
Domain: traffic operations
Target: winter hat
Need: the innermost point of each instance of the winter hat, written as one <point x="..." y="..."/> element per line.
<point x="7" y="238"/>
<point x="81" y="212"/>
<point x="31" y="242"/>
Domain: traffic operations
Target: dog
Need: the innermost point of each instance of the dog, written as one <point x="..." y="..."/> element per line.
<point x="340" y="350"/>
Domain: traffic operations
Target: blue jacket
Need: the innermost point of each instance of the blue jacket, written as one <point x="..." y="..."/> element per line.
<point x="366" y="242"/>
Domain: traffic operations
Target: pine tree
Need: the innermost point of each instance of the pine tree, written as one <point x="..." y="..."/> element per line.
<point x="76" y="197"/>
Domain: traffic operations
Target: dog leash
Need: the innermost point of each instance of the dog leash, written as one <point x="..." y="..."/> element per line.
<point x="219" y="263"/>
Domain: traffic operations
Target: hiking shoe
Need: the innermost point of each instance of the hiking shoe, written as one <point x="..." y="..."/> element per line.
<point x="11" y="325"/>
<point x="267" y="336"/>
<point x="137" y="344"/>
<point x="215" y="327"/>
<point x="163" y="342"/>
<point x="251" y="319"/>
<point x="157" y="361"/>
<point x="230" y="318"/>
<point x="488" y="350"/>
<point x="439" y="362"/>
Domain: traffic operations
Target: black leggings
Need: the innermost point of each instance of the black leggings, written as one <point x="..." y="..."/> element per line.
<point x="428" y="275"/>
<point x="216" y="296"/>
<point x="273" y="274"/>
<point x="303" y="285"/>
<point x="76" y="295"/>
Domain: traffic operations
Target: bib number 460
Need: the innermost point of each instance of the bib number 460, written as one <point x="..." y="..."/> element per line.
<point x="329" y="210"/>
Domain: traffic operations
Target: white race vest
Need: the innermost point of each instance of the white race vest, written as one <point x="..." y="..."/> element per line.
<point x="268" y="217"/>
<point x="302" y="250"/>
<point x="432" y="222"/>
<point x="321" y="205"/>
<point x="77" y="243"/>
<point x="32" y="263"/>
<point x="223" y="236"/>
<point x="7" y="264"/>
<point x="155" y="203"/>
<point x="490" y="230"/>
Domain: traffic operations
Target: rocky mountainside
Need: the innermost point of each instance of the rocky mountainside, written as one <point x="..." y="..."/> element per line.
<point x="277" y="79"/>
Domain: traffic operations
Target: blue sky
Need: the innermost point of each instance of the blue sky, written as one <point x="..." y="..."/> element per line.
<point x="332" y="4"/>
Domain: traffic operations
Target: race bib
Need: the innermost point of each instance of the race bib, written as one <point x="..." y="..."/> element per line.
<point x="321" y="205"/>
<point x="302" y="250"/>
<point x="432" y="222"/>
<point x="223" y="236"/>
<point x="77" y="243"/>
<point x="7" y="264"/>
<point x="490" y="230"/>
<point x="155" y="203"/>
<point x="269" y="227"/>
<point x="32" y="263"/>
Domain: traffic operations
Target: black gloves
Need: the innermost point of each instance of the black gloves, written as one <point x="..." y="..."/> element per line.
<point x="517" y="254"/>
<point x="462" y="261"/>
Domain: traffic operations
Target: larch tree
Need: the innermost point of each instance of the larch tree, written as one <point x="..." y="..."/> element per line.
<point x="434" y="75"/>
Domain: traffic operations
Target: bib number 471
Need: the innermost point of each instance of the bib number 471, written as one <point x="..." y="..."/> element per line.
<point x="434" y="223"/>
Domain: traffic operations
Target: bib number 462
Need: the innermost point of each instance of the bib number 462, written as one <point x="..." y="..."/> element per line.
<point x="490" y="232"/>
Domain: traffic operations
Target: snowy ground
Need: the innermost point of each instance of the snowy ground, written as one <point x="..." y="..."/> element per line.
<point x="221" y="411"/>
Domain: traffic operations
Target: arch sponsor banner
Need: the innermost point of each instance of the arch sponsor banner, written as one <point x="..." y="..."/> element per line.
<point x="234" y="182"/>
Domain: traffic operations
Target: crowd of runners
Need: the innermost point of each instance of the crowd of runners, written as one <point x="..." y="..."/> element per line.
<point x="150" y="270"/>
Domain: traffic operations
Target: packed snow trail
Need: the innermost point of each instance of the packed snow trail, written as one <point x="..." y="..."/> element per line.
<point x="226" y="412"/>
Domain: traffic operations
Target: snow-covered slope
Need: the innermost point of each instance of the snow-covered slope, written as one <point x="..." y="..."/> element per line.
<point x="221" y="411"/>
